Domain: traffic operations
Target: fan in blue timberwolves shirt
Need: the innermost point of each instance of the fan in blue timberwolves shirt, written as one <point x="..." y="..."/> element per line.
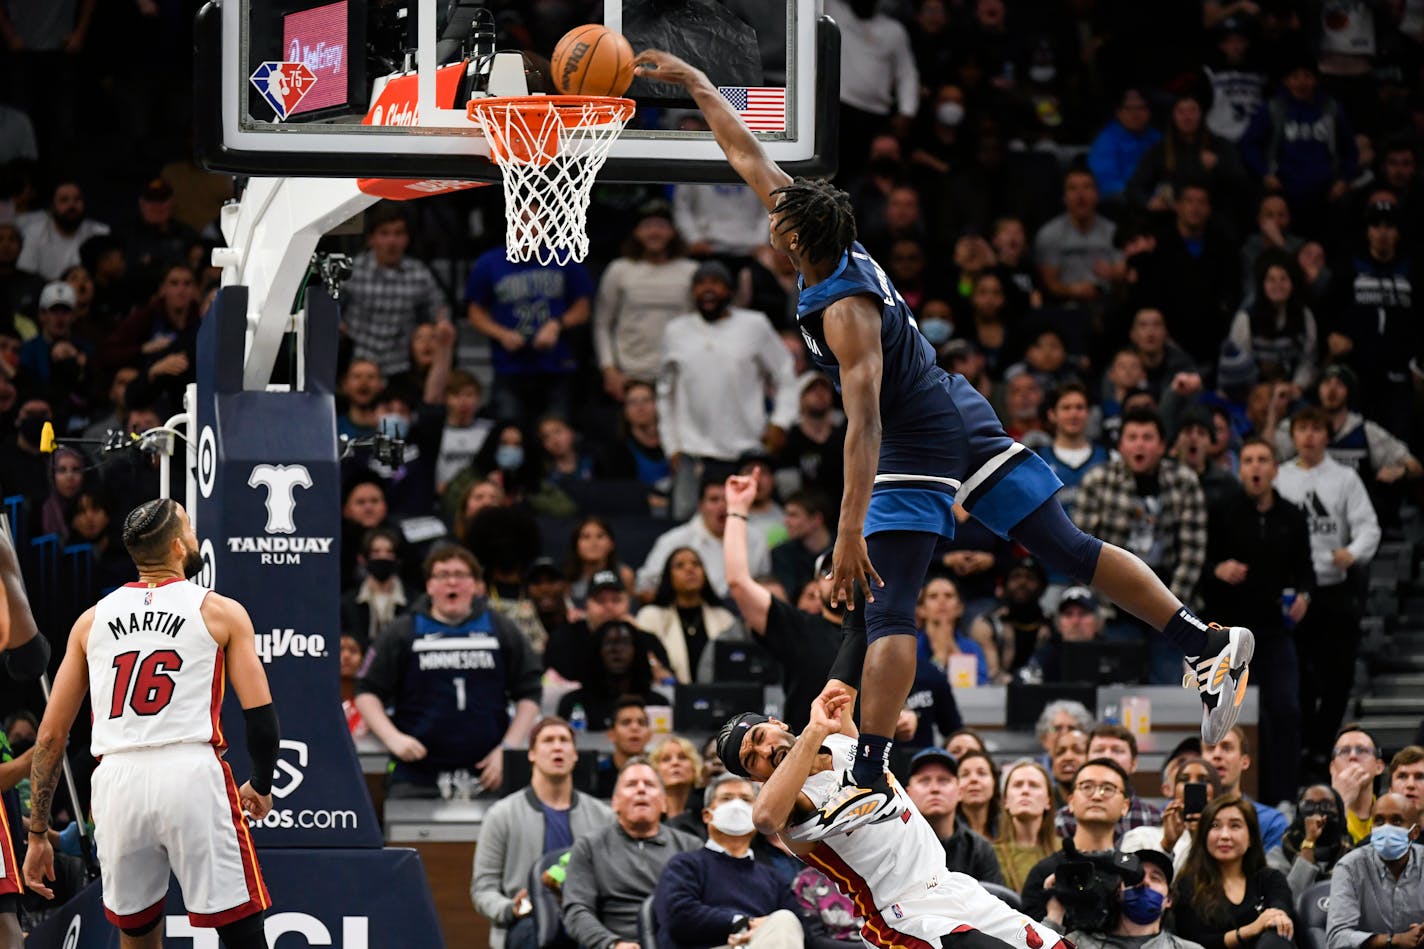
<point x="917" y="440"/>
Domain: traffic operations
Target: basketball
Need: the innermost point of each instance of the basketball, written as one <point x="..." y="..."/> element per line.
<point x="593" y="60"/>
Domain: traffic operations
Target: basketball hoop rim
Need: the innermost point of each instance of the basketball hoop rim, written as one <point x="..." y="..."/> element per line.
<point x="611" y="108"/>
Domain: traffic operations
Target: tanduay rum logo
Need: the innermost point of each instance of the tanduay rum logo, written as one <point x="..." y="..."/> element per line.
<point x="277" y="546"/>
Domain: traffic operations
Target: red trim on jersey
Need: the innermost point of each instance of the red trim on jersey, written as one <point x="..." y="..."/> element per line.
<point x="161" y="583"/>
<point x="257" y="896"/>
<point x="876" y="930"/>
<point x="10" y="882"/>
<point x="215" y="710"/>
<point x="137" y="920"/>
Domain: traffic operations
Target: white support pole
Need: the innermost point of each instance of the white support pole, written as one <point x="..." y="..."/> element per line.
<point x="271" y="235"/>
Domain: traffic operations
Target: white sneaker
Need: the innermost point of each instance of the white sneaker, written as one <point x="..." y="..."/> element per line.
<point x="1221" y="681"/>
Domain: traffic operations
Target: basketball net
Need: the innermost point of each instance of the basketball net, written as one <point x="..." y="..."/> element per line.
<point x="549" y="149"/>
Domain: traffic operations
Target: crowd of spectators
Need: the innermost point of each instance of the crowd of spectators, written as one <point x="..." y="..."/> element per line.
<point x="1173" y="243"/>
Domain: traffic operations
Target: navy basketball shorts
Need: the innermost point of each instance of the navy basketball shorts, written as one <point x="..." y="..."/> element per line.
<point x="945" y="444"/>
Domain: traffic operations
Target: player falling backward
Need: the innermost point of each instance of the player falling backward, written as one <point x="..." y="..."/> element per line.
<point x="153" y="656"/>
<point x="918" y="439"/>
<point x="893" y="870"/>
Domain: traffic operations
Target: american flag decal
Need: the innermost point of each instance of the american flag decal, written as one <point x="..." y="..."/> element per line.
<point x="763" y="108"/>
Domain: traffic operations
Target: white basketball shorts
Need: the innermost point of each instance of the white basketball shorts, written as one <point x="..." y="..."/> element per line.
<point x="174" y="807"/>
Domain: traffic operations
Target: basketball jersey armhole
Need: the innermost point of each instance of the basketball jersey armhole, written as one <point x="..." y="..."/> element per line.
<point x="208" y="627"/>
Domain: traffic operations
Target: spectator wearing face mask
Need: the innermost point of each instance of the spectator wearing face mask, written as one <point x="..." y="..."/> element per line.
<point x="1315" y="841"/>
<point x="720" y="894"/>
<point x="1377" y="890"/>
<point x="381" y="596"/>
<point x="1144" y="899"/>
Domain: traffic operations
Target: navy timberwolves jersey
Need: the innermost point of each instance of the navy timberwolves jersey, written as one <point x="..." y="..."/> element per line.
<point x="909" y="362"/>
<point x="453" y="692"/>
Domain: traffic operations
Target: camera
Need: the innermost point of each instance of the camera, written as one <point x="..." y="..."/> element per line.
<point x="1088" y="888"/>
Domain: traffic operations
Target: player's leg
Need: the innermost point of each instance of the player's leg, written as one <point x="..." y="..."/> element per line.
<point x="211" y="848"/>
<point x="901" y="558"/>
<point x="10" y="935"/>
<point x="1218" y="656"/>
<point x="250" y="932"/>
<point x="133" y="868"/>
<point x="147" y="936"/>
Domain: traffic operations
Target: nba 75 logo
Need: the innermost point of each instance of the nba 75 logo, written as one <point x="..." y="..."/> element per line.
<point x="283" y="85"/>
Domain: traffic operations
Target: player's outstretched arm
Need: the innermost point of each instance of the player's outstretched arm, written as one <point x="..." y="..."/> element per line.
<point x="781" y="794"/>
<point x="71" y="684"/>
<point x="752" y="598"/>
<point x="736" y="140"/>
<point x="232" y="627"/>
<point x="852" y="327"/>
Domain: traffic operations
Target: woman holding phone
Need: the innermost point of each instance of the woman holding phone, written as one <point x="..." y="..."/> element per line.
<point x="1196" y="785"/>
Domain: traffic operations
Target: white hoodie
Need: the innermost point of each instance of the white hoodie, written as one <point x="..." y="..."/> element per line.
<point x="1338" y="510"/>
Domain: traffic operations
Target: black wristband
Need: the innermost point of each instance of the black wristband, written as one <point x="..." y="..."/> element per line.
<point x="263" y="741"/>
<point x="735" y="514"/>
<point x="30" y="660"/>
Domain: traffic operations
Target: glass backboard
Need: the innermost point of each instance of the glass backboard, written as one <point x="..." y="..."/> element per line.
<point x="378" y="88"/>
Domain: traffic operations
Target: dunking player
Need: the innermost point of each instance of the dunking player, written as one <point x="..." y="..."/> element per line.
<point x="919" y="438"/>
<point x="894" y="871"/>
<point x="152" y="655"/>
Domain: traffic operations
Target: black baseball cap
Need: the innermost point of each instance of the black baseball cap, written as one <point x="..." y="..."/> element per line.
<point x="1187" y="746"/>
<point x="1158" y="858"/>
<point x="1078" y="596"/>
<point x="605" y="580"/>
<point x="712" y="269"/>
<point x="1344" y="373"/>
<point x="1382" y="212"/>
<point x="729" y="740"/>
<point x="543" y="567"/>
<point x="1032" y="565"/>
<point x="934" y="755"/>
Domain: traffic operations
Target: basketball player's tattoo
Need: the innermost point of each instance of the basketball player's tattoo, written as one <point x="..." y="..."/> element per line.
<point x="44" y="775"/>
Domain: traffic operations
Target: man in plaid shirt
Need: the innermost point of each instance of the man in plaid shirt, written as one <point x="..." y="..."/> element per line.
<point x="388" y="293"/>
<point x="1118" y="744"/>
<point x="1154" y="507"/>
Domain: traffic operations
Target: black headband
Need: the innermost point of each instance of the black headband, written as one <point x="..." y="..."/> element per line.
<point x="729" y="740"/>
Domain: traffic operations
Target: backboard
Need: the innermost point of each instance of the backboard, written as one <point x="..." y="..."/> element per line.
<point x="379" y="88"/>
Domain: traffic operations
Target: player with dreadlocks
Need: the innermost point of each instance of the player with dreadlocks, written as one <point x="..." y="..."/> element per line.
<point x="918" y="439"/>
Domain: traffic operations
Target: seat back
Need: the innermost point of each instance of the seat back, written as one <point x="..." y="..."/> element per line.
<point x="548" y="914"/>
<point x="1004" y="893"/>
<point x="1311" y="911"/>
<point x="647" y="925"/>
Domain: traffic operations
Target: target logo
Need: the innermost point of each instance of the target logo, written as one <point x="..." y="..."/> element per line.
<point x="207" y="461"/>
<point x="71" y="934"/>
<point x="207" y="578"/>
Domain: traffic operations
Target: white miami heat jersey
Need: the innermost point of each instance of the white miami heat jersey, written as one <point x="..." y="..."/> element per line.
<point x="882" y="862"/>
<point x="894" y="871"/>
<point x="155" y="672"/>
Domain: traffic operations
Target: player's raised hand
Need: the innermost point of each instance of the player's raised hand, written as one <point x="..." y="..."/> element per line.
<point x="740" y="492"/>
<point x="850" y="563"/>
<point x="664" y="67"/>
<point x="39" y="865"/>
<point x="826" y="710"/>
<point x="254" y="805"/>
